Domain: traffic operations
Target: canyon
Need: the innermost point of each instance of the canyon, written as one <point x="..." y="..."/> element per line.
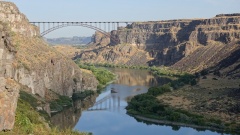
<point x="27" y="61"/>
<point x="186" y="44"/>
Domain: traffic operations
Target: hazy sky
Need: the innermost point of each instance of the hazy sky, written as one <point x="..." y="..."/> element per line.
<point x="120" y="10"/>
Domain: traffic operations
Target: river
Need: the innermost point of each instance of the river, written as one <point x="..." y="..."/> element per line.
<point x="106" y="114"/>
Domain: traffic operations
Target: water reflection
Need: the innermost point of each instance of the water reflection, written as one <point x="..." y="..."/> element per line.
<point x="107" y="115"/>
<point x="137" y="77"/>
<point x="69" y="117"/>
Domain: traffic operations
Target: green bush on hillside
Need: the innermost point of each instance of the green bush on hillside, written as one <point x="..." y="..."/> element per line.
<point x="103" y="75"/>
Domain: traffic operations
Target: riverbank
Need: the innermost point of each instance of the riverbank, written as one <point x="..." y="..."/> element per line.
<point x="172" y="103"/>
<point x="103" y="76"/>
<point x="158" y="71"/>
<point x="174" y="124"/>
<point x="33" y="112"/>
<point x="213" y="98"/>
<point x="30" y="120"/>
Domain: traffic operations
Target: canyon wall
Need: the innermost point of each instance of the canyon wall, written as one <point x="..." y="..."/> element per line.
<point x="185" y="44"/>
<point x="170" y="41"/>
<point x="39" y="66"/>
<point x="9" y="89"/>
<point x="27" y="60"/>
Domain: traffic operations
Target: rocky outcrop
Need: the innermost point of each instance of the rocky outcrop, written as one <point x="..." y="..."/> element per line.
<point x="100" y="39"/>
<point x="28" y="60"/>
<point x="8" y="87"/>
<point x="16" y="21"/>
<point x="9" y="90"/>
<point x="119" y="54"/>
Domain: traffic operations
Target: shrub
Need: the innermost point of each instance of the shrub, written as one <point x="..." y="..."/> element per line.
<point x="28" y="98"/>
<point x="193" y="82"/>
<point x="102" y="75"/>
<point x="82" y="95"/>
<point x="214" y="78"/>
<point x="204" y="72"/>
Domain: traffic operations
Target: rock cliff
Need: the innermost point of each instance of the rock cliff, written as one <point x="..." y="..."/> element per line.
<point x="8" y="87"/>
<point x="184" y="44"/>
<point x="102" y="52"/>
<point x="170" y="41"/>
<point x="27" y="60"/>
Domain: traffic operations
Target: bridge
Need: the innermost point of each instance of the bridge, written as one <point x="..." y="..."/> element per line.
<point x="103" y="27"/>
<point x="110" y="101"/>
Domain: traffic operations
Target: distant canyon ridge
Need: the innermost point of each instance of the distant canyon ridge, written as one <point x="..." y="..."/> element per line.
<point x="75" y="40"/>
<point x="186" y="44"/>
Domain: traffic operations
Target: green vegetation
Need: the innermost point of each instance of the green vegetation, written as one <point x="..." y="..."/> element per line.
<point x="59" y="104"/>
<point x="147" y="105"/>
<point x="183" y="80"/>
<point x="117" y="66"/>
<point x="65" y="101"/>
<point x="30" y="121"/>
<point x="160" y="71"/>
<point x="164" y="71"/>
<point x="139" y="101"/>
<point x="28" y="98"/>
<point x="33" y="102"/>
<point x="103" y="75"/>
<point x="82" y="95"/>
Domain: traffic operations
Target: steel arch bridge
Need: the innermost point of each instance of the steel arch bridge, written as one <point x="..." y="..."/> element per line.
<point x="103" y="27"/>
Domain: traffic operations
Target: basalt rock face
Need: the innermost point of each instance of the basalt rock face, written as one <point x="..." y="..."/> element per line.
<point x="100" y="39"/>
<point x="119" y="54"/>
<point x="27" y="60"/>
<point x="40" y="67"/>
<point x="102" y="52"/>
<point x="170" y="42"/>
<point x="8" y="87"/>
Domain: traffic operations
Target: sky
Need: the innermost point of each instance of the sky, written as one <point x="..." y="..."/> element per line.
<point x="119" y="10"/>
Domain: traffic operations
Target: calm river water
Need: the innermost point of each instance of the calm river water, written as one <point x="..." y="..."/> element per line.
<point x="107" y="116"/>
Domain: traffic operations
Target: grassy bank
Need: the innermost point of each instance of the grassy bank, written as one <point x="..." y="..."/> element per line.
<point x="103" y="75"/>
<point x="147" y="105"/>
<point x="30" y="121"/>
<point x="160" y="71"/>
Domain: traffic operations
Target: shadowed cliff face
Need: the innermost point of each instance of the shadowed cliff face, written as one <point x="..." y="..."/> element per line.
<point x="229" y="66"/>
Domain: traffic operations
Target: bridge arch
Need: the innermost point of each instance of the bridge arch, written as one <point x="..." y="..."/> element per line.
<point x="74" y="24"/>
<point x="59" y="25"/>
